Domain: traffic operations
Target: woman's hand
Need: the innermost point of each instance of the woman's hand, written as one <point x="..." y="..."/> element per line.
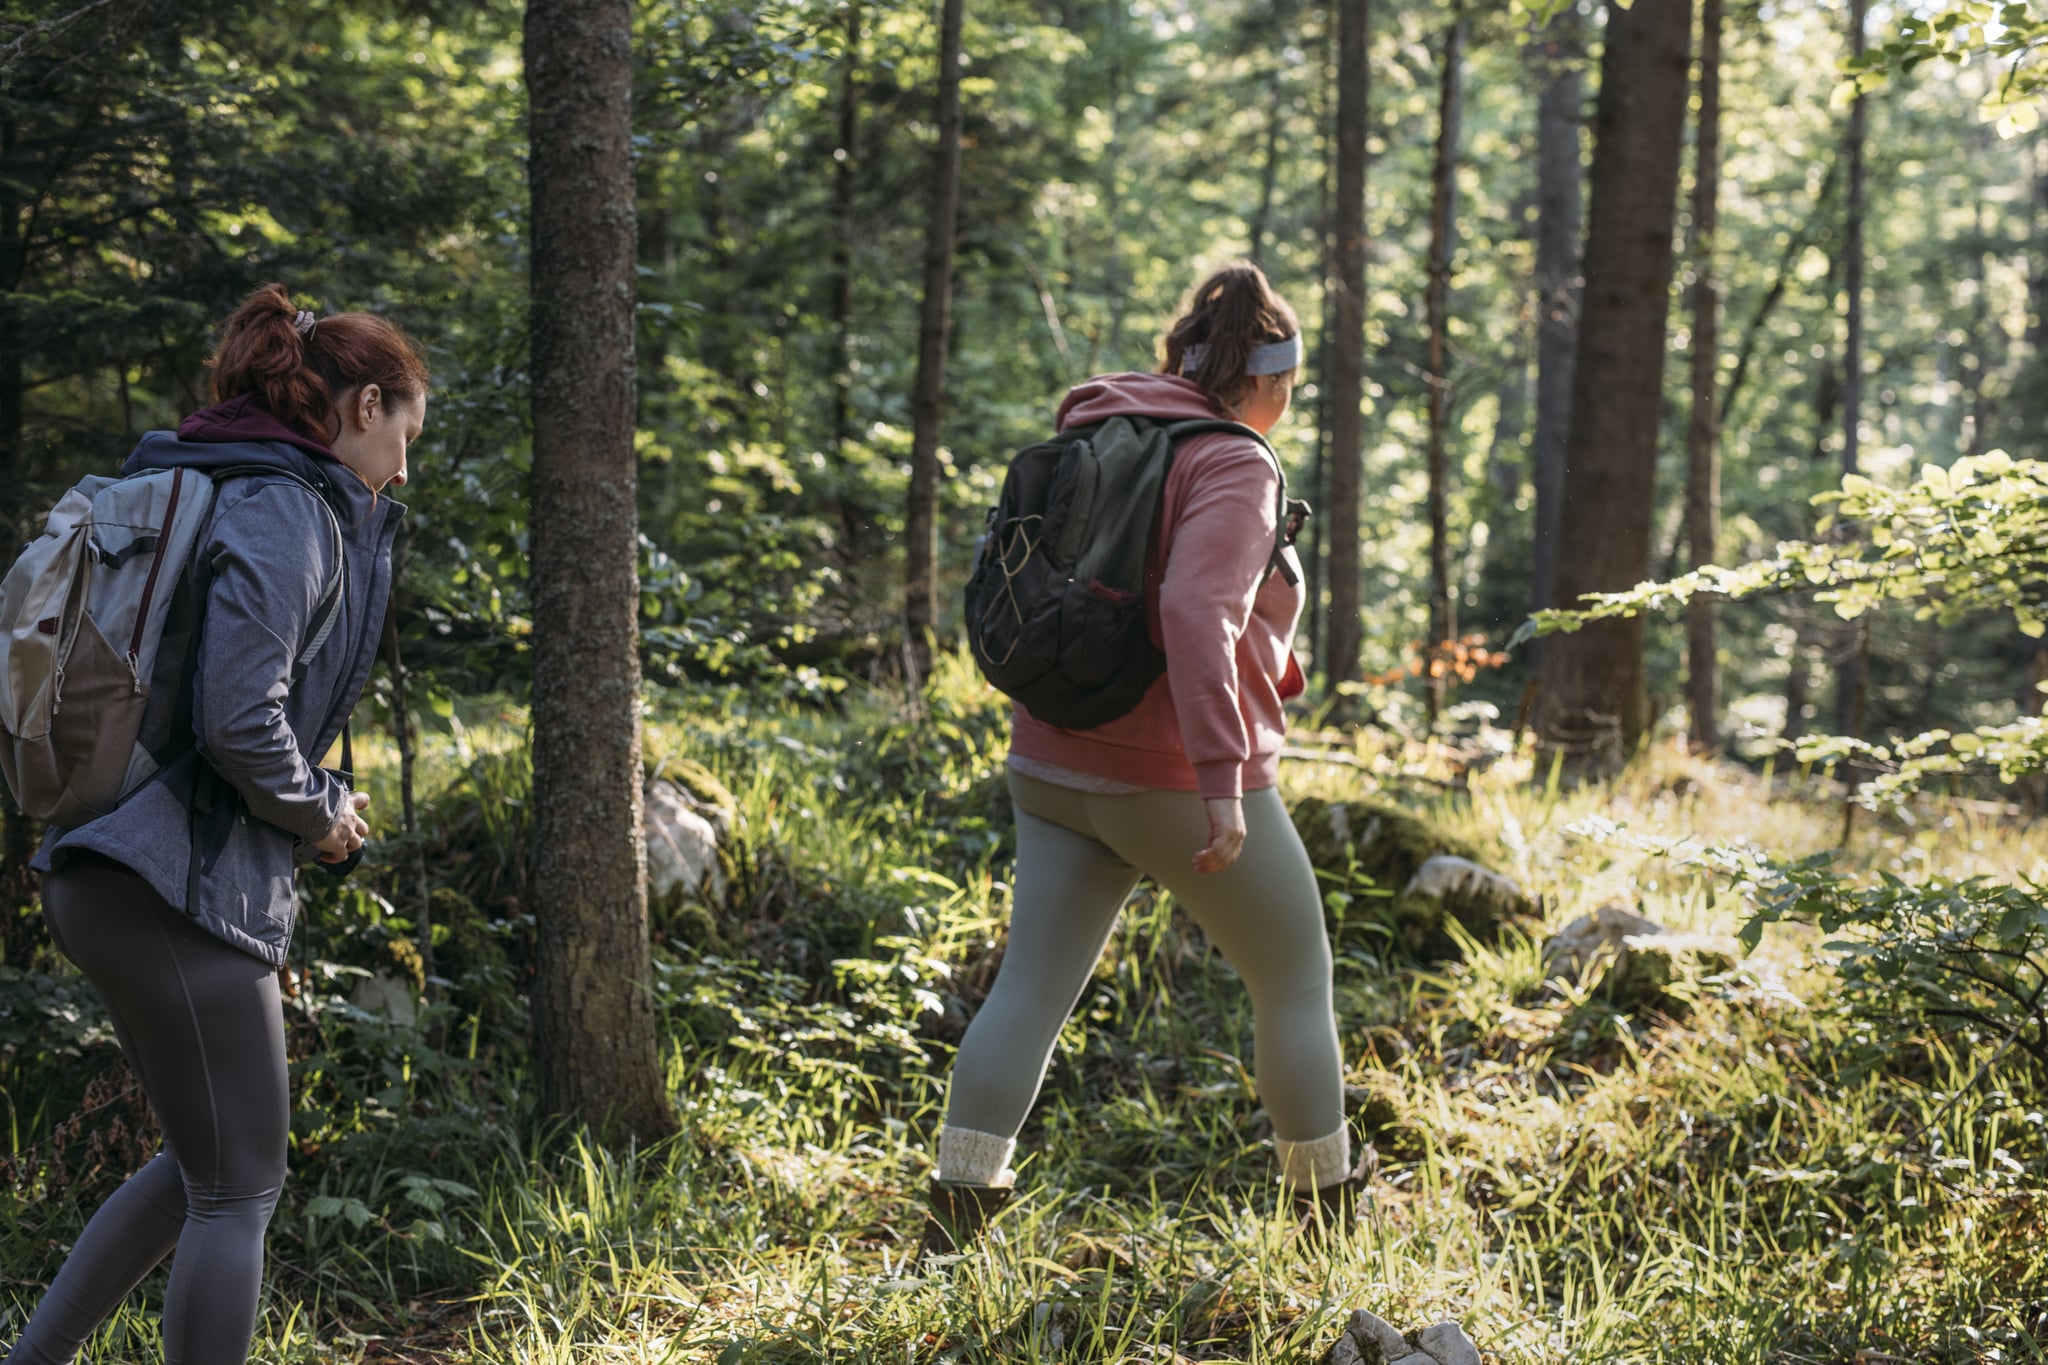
<point x="1226" y="834"/>
<point x="349" y="832"/>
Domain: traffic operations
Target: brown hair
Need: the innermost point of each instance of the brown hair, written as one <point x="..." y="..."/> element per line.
<point x="300" y="377"/>
<point x="1228" y="315"/>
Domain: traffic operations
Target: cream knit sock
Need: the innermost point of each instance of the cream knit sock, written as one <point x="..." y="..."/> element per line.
<point x="970" y="1158"/>
<point x="1315" y="1163"/>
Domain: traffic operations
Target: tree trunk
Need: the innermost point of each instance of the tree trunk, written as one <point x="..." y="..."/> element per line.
<point x="1593" y="707"/>
<point x="18" y="838"/>
<point x="921" y="519"/>
<point x="1560" y="175"/>
<point x="1703" y="431"/>
<point x="406" y="735"/>
<point x="1269" y="170"/>
<point x="1855" y="674"/>
<point x="1788" y="262"/>
<point x="1977" y="356"/>
<point x="1320" y="459"/>
<point x="595" y="1055"/>
<point x="1347" y="354"/>
<point x="2037" y="273"/>
<point x="845" y="228"/>
<point x="1798" y="682"/>
<point x="1443" y="212"/>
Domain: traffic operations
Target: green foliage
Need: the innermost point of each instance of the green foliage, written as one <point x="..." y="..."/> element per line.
<point x="2012" y="37"/>
<point x="1955" y="542"/>
<point x="1967" y="955"/>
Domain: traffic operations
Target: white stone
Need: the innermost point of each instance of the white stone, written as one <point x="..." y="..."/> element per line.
<point x="1447" y="1344"/>
<point x="682" y="845"/>
<point x="1445" y="875"/>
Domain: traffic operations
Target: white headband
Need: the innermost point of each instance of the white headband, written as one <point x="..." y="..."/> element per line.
<point x="304" y="323"/>
<point x="1275" y="357"/>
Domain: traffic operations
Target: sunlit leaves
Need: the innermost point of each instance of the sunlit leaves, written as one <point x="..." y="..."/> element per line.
<point x="2014" y="36"/>
<point x="1966" y="539"/>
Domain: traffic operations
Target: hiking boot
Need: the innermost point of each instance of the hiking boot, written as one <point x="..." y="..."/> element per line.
<point x="957" y="1214"/>
<point x="1338" y="1204"/>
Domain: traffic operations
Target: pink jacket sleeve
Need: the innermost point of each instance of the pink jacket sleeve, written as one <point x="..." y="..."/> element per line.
<point x="1220" y="542"/>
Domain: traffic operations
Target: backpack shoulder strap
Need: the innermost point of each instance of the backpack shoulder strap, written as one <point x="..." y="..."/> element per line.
<point x="1199" y="426"/>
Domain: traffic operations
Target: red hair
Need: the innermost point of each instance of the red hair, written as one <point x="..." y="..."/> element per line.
<point x="300" y="376"/>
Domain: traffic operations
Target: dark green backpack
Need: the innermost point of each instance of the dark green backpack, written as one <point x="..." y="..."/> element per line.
<point x="1056" y="603"/>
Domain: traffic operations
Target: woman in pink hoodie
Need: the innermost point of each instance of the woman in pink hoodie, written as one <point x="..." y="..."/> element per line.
<point x="1180" y="789"/>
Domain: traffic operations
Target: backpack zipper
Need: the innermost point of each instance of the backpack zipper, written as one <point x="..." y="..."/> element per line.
<point x="156" y="565"/>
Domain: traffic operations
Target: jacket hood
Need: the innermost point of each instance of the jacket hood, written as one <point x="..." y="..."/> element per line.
<point x="241" y="433"/>
<point x="1133" y="395"/>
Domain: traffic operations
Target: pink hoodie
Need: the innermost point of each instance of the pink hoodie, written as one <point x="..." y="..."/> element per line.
<point x="1214" y="723"/>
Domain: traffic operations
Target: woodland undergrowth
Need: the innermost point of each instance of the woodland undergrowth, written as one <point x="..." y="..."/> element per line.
<point x="1768" y="1169"/>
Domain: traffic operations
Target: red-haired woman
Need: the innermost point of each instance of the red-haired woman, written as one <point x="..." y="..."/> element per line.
<point x="1181" y="789"/>
<point x="178" y="906"/>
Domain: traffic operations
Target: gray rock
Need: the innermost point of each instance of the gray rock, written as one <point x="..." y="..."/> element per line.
<point x="1414" y="1358"/>
<point x="1445" y="877"/>
<point x="387" y="996"/>
<point x="1446" y="1344"/>
<point x="1368" y="1339"/>
<point x="1577" y="948"/>
<point x="682" y="846"/>
<point x="1636" y="959"/>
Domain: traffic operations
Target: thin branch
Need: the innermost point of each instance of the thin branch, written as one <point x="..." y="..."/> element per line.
<point x="48" y="28"/>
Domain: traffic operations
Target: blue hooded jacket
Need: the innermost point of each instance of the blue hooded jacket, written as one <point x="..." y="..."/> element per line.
<point x="216" y="832"/>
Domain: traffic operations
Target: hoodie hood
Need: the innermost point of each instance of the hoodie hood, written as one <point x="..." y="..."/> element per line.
<point x="244" y="418"/>
<point x="241" y="433"/>
<point x="1133" y="395"/>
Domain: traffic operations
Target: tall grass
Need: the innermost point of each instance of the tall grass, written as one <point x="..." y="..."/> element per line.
<point x="1760" y="1176"/>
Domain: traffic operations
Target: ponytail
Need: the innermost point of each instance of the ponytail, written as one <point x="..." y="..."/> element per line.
<point x="298" y="365"/>
<point x="1228" y="316"/>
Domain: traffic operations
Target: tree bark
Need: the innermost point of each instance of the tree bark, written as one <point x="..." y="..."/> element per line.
<point x="1703" y="430"/>
<point x="1443" y="212"/>
<point x="595" y="1054"/>
<point x="845" y="228"/>
<point x="921" y="519"/>
<point x="2037" y="274"/>
<point x="1269" y="170"/>
<point x="1788" y="262"/>
<point x="1347" y="354"/>
<point x="1319" y="460"/>
<point x="18" y="837"/>
<point x="1977" y="358"/>
<point x="1560" y="175"/>
<point x="1855" y="673"/>
<point x="1593" y="708"/>
<point x="405" y="735"/>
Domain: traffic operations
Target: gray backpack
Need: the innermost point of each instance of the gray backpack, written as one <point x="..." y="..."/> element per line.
<point x="98" y="618"/>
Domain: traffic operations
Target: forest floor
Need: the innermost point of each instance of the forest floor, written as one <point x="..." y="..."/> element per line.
<point x="1751" y="1172"/>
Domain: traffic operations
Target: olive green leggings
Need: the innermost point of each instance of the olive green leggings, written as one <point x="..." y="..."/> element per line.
<point x="1079" y="854"/>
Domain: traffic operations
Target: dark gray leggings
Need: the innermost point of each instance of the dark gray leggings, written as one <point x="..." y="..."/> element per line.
<point x="201" y="1026"/>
